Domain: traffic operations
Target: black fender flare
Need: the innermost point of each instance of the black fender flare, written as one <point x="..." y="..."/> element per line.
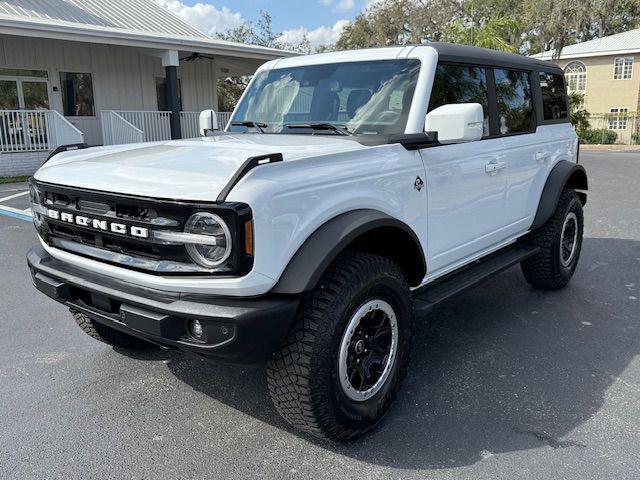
<point x="563" y="174"/>
<point x="307" y="265"/>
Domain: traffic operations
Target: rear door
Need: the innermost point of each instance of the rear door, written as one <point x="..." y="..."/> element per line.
<point x="523" y="147"/>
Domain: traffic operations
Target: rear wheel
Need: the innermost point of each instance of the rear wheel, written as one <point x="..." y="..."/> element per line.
<point x="560" y="243"/>
<point x="109" y="335"/>
<point x="344" y="358"/>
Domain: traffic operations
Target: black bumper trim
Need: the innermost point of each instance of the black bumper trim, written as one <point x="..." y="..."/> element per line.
<point x="237" y="330"/>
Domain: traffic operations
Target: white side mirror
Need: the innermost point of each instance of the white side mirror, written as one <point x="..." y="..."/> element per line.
<point x="207" y="121"/>
<point x="456" y="122"/>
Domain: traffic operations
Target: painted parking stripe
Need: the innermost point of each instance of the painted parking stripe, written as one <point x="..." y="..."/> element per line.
<point x="15" y="195"/>
<point x="15" y="213"/>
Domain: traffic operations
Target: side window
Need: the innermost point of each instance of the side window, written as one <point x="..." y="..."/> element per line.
<point x="554" y="102"/>
<point x="460" y="84"/>
<point x="77" y="94"/>
<point x="515" y="107"/>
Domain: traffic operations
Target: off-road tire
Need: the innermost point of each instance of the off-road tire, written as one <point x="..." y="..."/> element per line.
<point x="544" y="269"/>
<point x="302" y="374"/>
<point x="109" y="335"/>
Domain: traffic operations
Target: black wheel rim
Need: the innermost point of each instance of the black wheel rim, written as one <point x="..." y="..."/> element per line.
<point x="368" y="350"/>
<point x="568" y="239"/>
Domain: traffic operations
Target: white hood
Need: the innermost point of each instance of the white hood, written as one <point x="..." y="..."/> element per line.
<point x="195" y="169"/>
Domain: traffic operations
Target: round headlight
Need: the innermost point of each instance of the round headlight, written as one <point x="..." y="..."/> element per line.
<point x="210" y="253"/>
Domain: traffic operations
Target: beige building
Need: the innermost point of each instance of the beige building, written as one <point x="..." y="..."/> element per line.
<point x="607" y="71"/>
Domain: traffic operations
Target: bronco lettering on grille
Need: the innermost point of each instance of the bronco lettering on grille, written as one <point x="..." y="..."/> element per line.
<point x="98" y="224"/>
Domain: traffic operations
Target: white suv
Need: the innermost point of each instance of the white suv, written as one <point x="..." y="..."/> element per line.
<point x="349" y="193"/>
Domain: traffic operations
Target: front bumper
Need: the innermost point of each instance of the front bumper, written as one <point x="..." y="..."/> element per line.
<point x="237" y="330"/>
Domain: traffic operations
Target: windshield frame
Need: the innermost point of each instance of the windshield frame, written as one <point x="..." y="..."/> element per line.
<point x="413" y="121"/>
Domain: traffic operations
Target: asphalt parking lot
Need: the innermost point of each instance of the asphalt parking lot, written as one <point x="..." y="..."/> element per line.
<point x="505" y="381"/>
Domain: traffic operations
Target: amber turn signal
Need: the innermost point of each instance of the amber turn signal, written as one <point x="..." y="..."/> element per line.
<point x="248" y="237"/>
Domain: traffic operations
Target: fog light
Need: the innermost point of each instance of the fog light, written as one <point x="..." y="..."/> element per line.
<point x="195" y="328"/>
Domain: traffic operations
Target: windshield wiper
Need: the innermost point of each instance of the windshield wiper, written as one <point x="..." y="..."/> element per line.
<point x="259" y="126"/>
<point x="340" y="129"/>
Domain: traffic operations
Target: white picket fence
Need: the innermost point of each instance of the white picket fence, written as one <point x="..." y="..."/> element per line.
<point x="35" y="130"/>
<point x="117" y="130"/>
<point x="121" y="126"/>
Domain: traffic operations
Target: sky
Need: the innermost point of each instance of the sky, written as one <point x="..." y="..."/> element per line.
<point x="321" y="20"/>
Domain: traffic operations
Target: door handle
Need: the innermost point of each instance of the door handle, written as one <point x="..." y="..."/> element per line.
<point x="542" y="157"/>
<point x="493" y="166"/>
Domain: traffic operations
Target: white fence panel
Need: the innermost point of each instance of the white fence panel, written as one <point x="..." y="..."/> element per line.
<point x="153" y="126"/>
<point x="62" y="132"/>
<point x="223" y="119"/>
<point x="35" y="130"/>
<point x="189" y="123"/>
<point x="156" y="126"/>
<point x="116" y="130"/>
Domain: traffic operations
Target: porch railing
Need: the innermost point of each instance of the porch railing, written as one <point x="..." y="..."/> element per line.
<point x="150" y="126"/>
<point x="35" y="130"/>
<point x="117" y="130"/>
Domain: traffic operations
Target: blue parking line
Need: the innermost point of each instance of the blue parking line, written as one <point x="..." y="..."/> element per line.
<point x="19" y="216"/>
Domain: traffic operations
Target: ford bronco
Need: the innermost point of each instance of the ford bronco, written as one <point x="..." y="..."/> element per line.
<point x="349" y="193"/>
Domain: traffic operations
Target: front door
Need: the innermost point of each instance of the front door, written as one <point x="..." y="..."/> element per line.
<point x="22" y="127"/>
<point x="466" y="185"/>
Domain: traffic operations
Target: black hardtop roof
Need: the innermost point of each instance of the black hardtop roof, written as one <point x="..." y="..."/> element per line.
<point x="451" y="52"/>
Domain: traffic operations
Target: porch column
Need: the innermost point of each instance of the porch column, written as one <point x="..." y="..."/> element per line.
<point x="170" y="63"/>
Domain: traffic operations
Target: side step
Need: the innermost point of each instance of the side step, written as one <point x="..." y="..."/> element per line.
<point x="427" y="297"/>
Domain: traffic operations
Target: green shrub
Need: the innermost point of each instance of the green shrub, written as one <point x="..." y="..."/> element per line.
<point x="635" y="138"/>
<point x="597" y="137"/>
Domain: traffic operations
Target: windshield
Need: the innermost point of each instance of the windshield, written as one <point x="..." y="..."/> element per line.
<point x="357" y="97"/>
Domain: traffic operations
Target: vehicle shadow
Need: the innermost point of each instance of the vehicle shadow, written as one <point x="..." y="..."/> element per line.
<point x="500" y="368"/>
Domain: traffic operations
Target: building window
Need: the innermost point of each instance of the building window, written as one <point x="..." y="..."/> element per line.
<point x="618" y="119"/>
<point x="161" y="94"/>
<point x="576" y="75"/>
<point x="461" y="84"/>
<point x="77" y="94"/>
<point x="515" y="107"/>
<point x="20" y="72"/>
<point x="622" y="68"/>
<point x="554" y="96"/>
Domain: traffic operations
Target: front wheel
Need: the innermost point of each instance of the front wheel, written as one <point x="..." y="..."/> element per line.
<point x="560" y="243"/>
<point x="344" y="358"/>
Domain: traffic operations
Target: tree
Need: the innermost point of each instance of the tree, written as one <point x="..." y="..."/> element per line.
<point x="554" y="24"/>
<point x="524" y="26"/>
<point x="577" y="113"/>
<point x="261" y="33"/>
<point x="399" y="22"/>
<point x="481" y="29"/>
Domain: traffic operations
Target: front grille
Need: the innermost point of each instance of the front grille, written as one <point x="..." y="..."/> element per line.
<point x="146" y="214"/>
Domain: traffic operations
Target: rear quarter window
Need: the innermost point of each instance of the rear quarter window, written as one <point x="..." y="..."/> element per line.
<point x="515" y="105"/>
<point x="554" y="101"/>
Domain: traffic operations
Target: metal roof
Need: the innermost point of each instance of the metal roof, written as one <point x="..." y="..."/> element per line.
<point x="136" y="15"/>
<point x="618" y="44"/>
<point x="139" y="23"/>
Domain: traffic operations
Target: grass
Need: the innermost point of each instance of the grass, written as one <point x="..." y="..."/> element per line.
<point x="14" y="179"/>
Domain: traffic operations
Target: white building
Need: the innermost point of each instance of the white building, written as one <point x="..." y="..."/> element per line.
<point x="103" y="72"/>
